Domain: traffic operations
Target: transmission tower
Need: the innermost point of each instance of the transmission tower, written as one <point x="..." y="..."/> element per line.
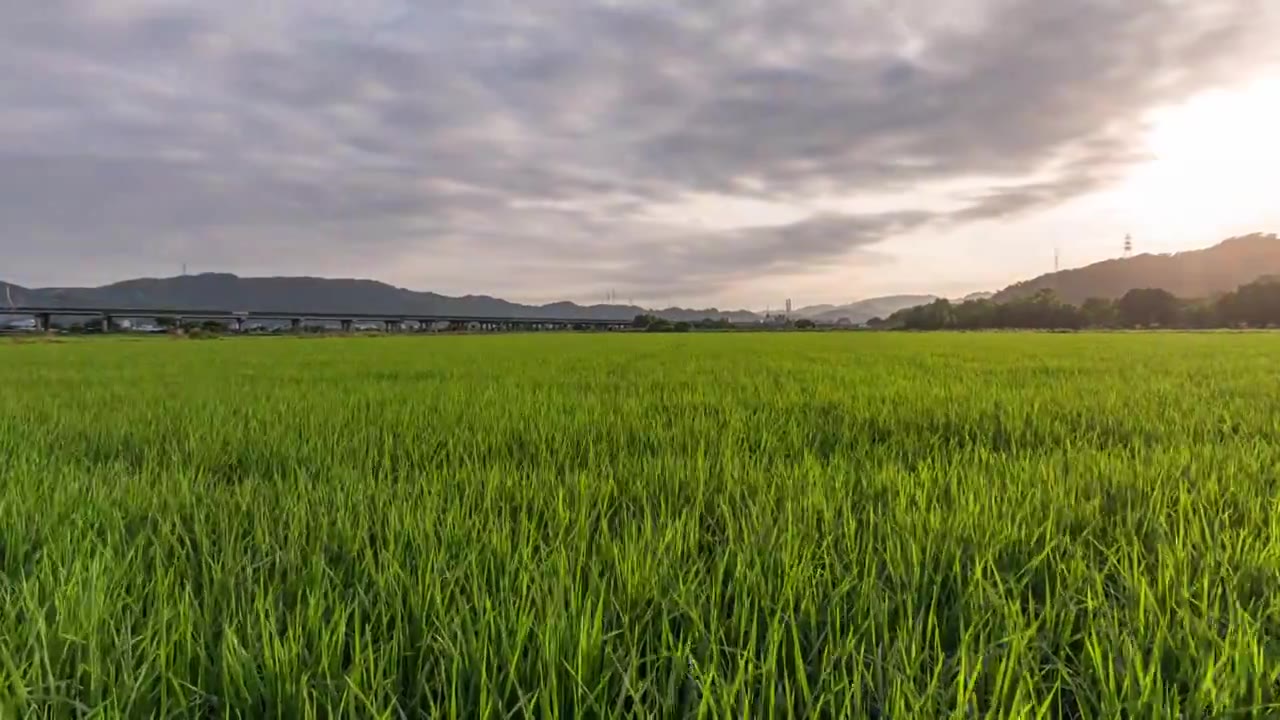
<point x="1128" y="245"/>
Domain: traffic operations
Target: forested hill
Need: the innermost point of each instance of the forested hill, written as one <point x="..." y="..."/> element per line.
<point x="321" y="295"/>
<point x="1194" y="274"/>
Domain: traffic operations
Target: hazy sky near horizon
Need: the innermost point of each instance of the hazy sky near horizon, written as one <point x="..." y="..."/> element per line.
<point x="726" y="152"/>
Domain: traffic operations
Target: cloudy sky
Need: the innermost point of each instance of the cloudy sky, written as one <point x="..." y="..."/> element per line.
<point x="729" y="152"/>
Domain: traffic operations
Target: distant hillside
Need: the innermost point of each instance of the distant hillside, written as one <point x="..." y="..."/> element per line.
<point x="811" y="310"/>
<point x="13" y="295"/>
<point x="1192" y="274"/>
<point x="321" y="295"/>
<point x="863" y="310"/>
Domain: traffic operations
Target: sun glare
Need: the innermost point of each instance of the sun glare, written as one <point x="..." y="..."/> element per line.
<point x="1213" y="157"/>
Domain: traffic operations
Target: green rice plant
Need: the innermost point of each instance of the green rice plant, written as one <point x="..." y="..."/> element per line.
<point x="785" y="525"/>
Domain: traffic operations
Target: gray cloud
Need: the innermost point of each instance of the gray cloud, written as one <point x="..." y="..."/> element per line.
<point x="537" y="135"/>
<point x="716" y="258"/>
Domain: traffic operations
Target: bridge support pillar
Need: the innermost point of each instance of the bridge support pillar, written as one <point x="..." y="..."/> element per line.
<point x="44" y="322"/>
<point x="106" y="323"/>
<point x="239" y="325"/>
<point x="346" y="326"/>
<point x="295" y="324"/>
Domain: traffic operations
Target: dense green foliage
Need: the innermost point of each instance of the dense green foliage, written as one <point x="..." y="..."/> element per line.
<point x="1256" y="304"/>
<point x="656" y="324"/>
<point x="829" y="525"/>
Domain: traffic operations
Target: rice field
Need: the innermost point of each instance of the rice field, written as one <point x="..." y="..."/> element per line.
<point x="711" y="525"/>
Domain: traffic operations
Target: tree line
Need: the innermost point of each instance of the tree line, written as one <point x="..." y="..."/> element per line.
<point x="654" y="323"/>
<point x="1254" y="305"/>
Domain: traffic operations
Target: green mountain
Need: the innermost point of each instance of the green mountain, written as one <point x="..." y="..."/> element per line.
<point x="303" y="295"/>
<point x="863" y="310"/>
<point x="1192" y="274"/>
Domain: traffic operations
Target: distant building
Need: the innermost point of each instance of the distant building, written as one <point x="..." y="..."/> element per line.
<point x="20" y="325"/>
